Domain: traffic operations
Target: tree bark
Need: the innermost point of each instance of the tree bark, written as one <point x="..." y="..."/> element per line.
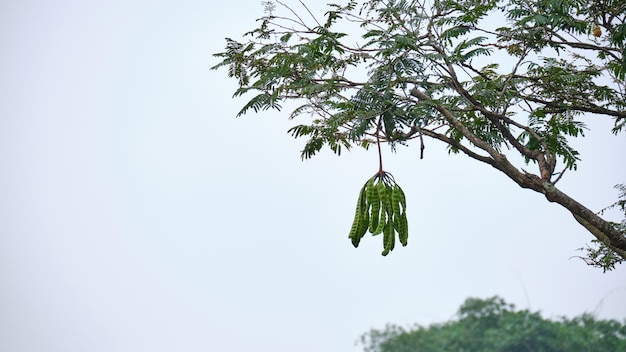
<point x="603" y="230"/>
<point x="600" y="228"/>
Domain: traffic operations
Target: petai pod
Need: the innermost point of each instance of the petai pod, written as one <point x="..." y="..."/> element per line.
<point x="400" y="221"/>
<point x="381" y="208"/>
<point x="382" y="195"/>
<point x="374" y="201"/>
<point x="357" y="224"/>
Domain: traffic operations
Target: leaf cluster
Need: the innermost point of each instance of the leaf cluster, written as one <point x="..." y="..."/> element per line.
<point x="493" y="325"/>
<point x="409" y="44"/>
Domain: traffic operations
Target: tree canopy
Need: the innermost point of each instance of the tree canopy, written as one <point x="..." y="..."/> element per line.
<point x="493" y="325"/>
<point x="507" y="83"/>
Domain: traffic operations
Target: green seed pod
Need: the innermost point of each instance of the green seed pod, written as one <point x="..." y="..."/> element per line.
<point x="395" y="202"/>
<point x="403" y="233"/>
<point x="354" y="230"/>
<point x="363" y="224"/>
<point x="381" y="208"/>
<point x="374" y="200"/>
<point x="388" y="238"/>
<point x="381" y="221"/>
<point x="357" y="225"/>
<point x="400" y="194"/>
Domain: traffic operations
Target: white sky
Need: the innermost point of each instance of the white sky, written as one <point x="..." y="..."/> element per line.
<point x="137" y="214"/>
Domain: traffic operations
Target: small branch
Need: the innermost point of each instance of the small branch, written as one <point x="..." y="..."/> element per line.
<point x="294" y="13"/>
<point x="592" y="109"/>
<point x="458" y="125"/>
<point x="380" y="154"/>
<point x="560" y="175"/>
<point x="309" y="11"/>
<point x="449" y="141"/>
<point x="585" y="46"/>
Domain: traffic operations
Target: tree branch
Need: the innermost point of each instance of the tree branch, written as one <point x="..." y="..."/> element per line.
<point x="591" y="109"/>
<point x="452" y="142"/>
<point x="457" y="124"/>
<point x="600" y="228"/>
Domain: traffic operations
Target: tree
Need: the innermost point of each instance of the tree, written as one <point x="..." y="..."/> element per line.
<point x="493" y="325"/>
<point x="507" y="83"/>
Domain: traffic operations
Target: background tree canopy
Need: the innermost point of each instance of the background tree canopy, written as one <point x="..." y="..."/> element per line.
<point x="493" y="325"/>
<point x="506" y="83"/>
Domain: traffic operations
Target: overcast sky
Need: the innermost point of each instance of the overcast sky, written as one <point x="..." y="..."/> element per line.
<point x="138" y="214"/>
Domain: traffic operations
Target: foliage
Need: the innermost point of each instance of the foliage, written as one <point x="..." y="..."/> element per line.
<point x="493" y="325"/>
<point x="598" y="254"/>
<point x="496" y="80"/>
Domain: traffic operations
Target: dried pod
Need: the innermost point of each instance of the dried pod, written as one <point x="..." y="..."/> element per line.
<point x="597" y="31"/>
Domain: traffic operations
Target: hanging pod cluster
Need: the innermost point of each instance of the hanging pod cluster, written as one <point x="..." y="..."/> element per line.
<point x="381" y="208"/>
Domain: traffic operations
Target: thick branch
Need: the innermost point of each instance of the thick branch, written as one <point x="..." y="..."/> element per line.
<point x="457" y="124"/>
<point x="600" y="235"/>
<point x="600" y="228"/>
<point x="545" y="168"/>
<point x="496" y="120"/>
